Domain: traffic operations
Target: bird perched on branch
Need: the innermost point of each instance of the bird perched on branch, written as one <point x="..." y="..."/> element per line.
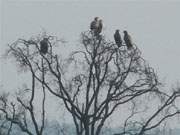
<point x="44" y="46"/>
<point x="127" y="40"/>
<point x="117" y="38"/>
<point x="96" y="26"/>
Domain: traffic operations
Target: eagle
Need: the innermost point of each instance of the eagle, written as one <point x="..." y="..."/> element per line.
<point x="117" y="38"/>
<point x="127" y="40"/>
<point x="44" y="46"/>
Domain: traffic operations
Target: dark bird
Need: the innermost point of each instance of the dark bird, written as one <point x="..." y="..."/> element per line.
<point x="44" y="46"/>
<point x="127" y="40"/>
<point x="94" y="24"/>
<point x="117" y="38"/>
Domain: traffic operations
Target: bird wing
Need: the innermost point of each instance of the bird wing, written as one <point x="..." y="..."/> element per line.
<point x="130" y="39"/>
<point x="93" y="25"/>
<point x="115" y="36"/>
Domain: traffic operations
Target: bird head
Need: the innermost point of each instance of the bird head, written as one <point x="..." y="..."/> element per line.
<point x="45" y="38"/>
<point x="125" y="32"/>
<point x="96" y="18"/>
<point x="117" y="30"/>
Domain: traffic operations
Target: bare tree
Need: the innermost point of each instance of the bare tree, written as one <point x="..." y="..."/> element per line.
<point x="22" y="112"/>
<point x="92" y="83"/>
<point x="167" y="109"/>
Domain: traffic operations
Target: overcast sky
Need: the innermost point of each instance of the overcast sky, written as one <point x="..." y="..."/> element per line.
<point x="153" y="26"/>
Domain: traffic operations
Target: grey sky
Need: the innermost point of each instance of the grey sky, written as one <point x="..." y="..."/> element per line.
<point x="153" y="25"/>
